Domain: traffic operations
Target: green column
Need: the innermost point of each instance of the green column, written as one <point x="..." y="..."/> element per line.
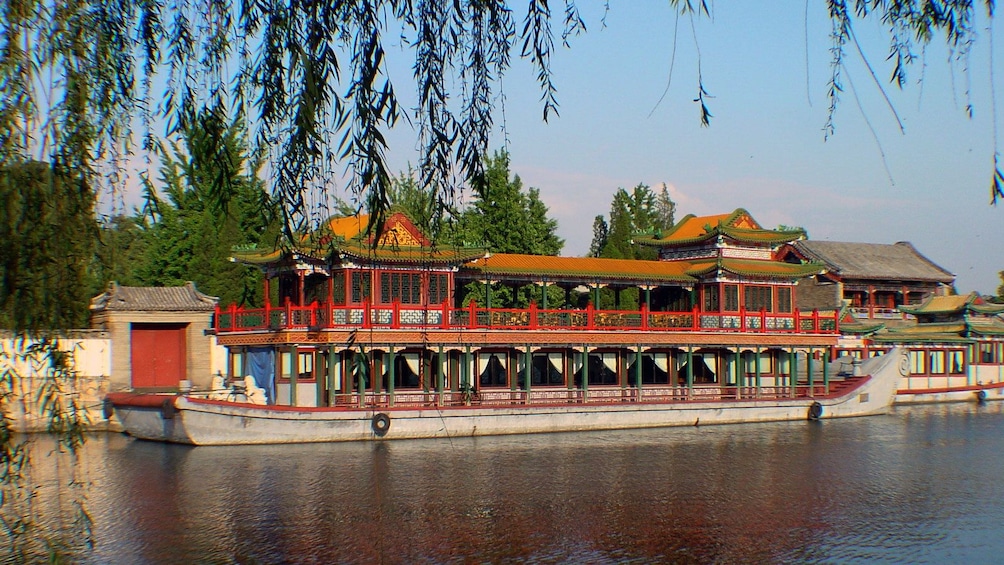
<point x="826" y="370"/>
<point x="440" y="386"/>
<point x="319" y="379"/>
<point x="333" y="363"/>
<point x="543" y="295"/>
<point x="793" y="371"/>
<point x="512" y="370"/>
<point x="293" y="368"/>
<point x="465" y="369"/>
<point x="526" y="371"/>
<point x="757" y="364"/>
<point x="808" y="371"/>
<point x="390" y="373"/>
<point x="690" y="371"/>
<point x="737" y="372"/>
<point x="585" y="371"/>
<point x="596" y="297"/>
<point x="361" y="368"/>
<point x="637" y="370"/>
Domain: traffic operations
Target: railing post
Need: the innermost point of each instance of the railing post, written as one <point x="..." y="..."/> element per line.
<point x="445" y="321"/>
<point x="798" y="321"/>
<point x="472" y="317"/>
<point x="695" y="322"/>
<point x="233" y="316"/>
<point x="815" y="320"/>
<point x="533" y="315"/>
<point x="289" y="314"/>
<point x="763" y="320"/>
<point x="589" y="316"/>
<point x="395" y="315"/>
<point x="742" y="318"/>
<point x="644" y="316"/>
<point x="313" y="314"/>
<point x="367" y="321"/>
<point x="268" y="315"/>
<point x="836" y="321"/>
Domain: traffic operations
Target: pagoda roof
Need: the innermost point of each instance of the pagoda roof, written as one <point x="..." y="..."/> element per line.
<point x="183" y="298"/>
<point x="874" y="261"/>
<point x="738" y="225"/>
<point x="349" y="238"/>
<point x="956" y="304"/>
<point x="577" y="269"/>
<point x="753" y="268"/>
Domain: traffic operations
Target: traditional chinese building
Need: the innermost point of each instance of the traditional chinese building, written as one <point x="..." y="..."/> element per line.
<point x="872" y="279"/>
<point x="954" y="341"/>
<point x="373" y="315"/>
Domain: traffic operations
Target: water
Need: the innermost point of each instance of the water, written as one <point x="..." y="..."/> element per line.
<point x="922" y="485"/>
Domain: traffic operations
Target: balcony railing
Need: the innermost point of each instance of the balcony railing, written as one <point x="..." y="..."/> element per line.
<point x="316" y="317"/>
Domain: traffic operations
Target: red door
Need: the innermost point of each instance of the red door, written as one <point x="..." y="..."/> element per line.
<point x="158" y="355"/>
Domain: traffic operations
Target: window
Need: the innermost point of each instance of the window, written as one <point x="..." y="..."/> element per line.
<point x="918" y="362"/>
<point x="937" y="362"/>
<point x="338" y="287"/>
<point x="360" y="286"/>
<point x="956" y="362"/>
<point x="236" y="364"/>
<point x="989" y="353"/>
<point x="783" y="299"/>
<point x="711" y="298"/>
<point x="405" y="288"/>
<point x="731" y="298"/>
<point x="305" y="366"/>
<point x="758" y="298"/>
<point x="439" y="290"/>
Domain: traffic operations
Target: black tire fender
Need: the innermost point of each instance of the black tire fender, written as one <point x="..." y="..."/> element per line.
<point x="815" y="411"/>
<point x="380" y="424"/>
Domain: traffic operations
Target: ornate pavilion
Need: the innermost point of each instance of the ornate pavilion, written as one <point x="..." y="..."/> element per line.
<point x="377" y="316"/>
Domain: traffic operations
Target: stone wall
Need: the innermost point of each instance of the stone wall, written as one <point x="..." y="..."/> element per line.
<point x="27" y="371"/>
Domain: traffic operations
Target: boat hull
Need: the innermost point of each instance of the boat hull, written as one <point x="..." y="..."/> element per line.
<point x="181" y="419"/>
<point x="975" y="393"/>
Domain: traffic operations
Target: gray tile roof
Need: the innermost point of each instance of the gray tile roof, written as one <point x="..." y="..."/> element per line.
<point x="899" y="261"/>
<point x="151" y="298"/>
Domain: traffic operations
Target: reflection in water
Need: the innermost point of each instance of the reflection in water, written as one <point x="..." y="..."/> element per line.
<point x="921" y="485"/>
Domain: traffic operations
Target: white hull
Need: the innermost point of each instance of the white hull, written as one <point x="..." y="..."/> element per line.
<point x="990" y="392"/>
<point x="180" y="419"/>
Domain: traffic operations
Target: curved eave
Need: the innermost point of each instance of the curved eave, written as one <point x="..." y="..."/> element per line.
<point x="987" y="331"/>
<point x="737" y="235"/>
<point x="573" y="276"/>
<point x="261" y="257"/>
<point x="575" y="269"/>
<point x="987" y="308"/>
<point x="904" y="337"/>
<point x="861" y="329"/>
<point x="753" y="268"/>
<point x="410" y="255"/>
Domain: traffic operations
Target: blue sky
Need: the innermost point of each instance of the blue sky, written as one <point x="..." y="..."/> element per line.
<point x="765" y="149"/>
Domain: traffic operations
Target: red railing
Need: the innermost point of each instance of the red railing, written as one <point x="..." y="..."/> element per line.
<point x="316" y="317"/>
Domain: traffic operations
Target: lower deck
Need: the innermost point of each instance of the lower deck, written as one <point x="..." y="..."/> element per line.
<point x="490" y="374"/>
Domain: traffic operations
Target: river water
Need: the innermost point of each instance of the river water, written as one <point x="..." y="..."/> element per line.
<point x="922" y="485"/>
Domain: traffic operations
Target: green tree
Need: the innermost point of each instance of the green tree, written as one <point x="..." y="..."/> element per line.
<point x="121" y="248"/>
<point x="48" y="235"/>
<point x="600" y="233"/>
<point x="193" y="235"/>
<point x="1000" y="289"/>
<point x="632" y="213"/>
<point x="665" y="211"/>
<point x="506" y="219"/>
